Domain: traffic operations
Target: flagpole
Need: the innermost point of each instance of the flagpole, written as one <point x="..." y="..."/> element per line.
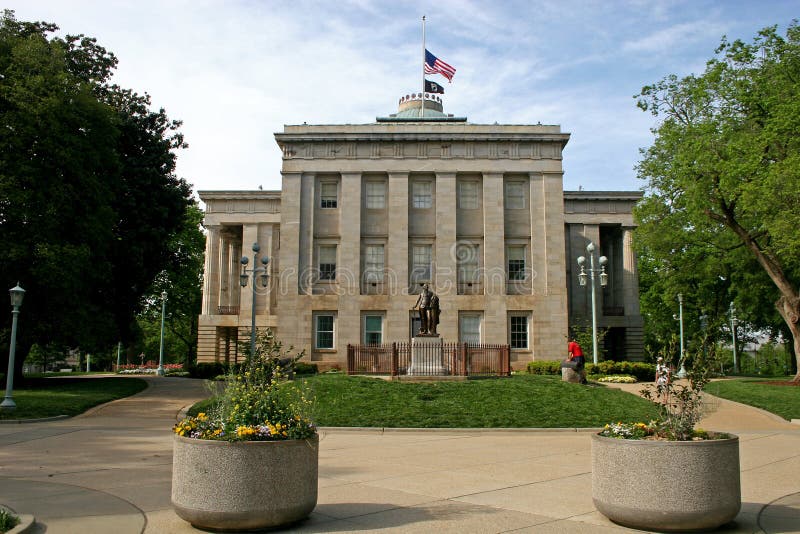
<point x="422" y="109"/>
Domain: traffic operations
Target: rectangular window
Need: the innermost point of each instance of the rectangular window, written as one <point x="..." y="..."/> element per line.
<point x="469" y="328"/>
<point x="324" y="331"/>
<point x="373" y="329"/>
<point x="468" y="195"/>
<point x="518" y="331"/>
<point x="516" y="262"/>
<point x="328" y="193"/>
<point x="327" y="262"/>
<point x="421" y="194"/>
<point x="421" y="263"/>
<point x="515" y="195"/>
<point x="467" y="256"/>
<point x="373" y="263"/>
<point x="376" y="195"/>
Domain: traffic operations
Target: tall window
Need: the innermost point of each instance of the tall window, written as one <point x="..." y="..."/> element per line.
<point x="373" y="329"/>
<point x="467" y="256"/>
<point x="516" y="262"/>
<point x="328" y="195"/>
<point x="469" y="328"/>
<point x="422" y="194"/>
<point x="323" y="331"/>
<point x="373" y="263"/>
<point x="421" y="263"/>
<point x="327" y="262"/>
<point x="518" y="331"/>
<point x="376" y="195"/>
<point x="468" y="195"/>
<point x="515" y="195"/>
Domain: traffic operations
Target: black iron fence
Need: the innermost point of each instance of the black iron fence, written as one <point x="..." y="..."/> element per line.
<point x="434" y="358"/>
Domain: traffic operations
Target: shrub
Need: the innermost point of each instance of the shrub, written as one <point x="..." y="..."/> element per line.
<point x="544" y="367"/>
<point x="644" y="372"/>
<point x="257" y="402"/>
<point x="7" y="520"/>
<point x="303" y="368"/>
<point x="207" y="370"/>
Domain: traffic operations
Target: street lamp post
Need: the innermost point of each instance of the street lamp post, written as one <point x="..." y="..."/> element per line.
<point x="160" y="370"/>
<point x="8" y="404"/>
<point x="734" y="322"/>
<point x="602" y="260"/>
<point x="682" y="370"/>
<point x="264" y="276"/>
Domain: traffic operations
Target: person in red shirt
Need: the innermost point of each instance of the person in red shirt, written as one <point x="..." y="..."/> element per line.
<point x="575" y="359"/>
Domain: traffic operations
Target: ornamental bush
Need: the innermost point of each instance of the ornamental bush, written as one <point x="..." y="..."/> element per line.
<point x="257" y="401"/>
<point x="544" y="367"/>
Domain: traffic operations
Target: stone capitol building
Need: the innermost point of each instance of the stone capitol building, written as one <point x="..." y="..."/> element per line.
<point x="368" y="213"/>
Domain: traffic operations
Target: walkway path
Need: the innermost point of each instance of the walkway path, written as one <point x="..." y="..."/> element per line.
<point x="109" y="471"/>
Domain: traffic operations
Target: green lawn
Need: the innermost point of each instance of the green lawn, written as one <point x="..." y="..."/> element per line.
<point x="780" y="400"/>
<point x="522" y="401"/>
<point x="47" y="397"/>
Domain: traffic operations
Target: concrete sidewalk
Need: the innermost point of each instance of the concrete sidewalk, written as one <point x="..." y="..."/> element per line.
<point x="110" y="471"/>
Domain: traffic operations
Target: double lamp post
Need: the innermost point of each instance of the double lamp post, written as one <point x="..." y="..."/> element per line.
<point x="582" y="276"/>
<point x="255" y="272"/>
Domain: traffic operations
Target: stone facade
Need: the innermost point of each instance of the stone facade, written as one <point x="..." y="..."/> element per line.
<point x="367" y="213"/>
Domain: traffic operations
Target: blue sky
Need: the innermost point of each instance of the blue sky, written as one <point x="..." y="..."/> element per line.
<point x="235" y="72"/>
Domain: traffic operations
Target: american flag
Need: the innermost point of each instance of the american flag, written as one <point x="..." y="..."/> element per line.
<point x="434" y="65"/>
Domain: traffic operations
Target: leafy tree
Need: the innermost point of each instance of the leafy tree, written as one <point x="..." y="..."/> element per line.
<point x="723" y="177"/>
<point x="182" y="280"/>
<point x="89" y="203"/>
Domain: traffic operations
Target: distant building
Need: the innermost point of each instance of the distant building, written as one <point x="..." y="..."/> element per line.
<point x="367" y="213"/>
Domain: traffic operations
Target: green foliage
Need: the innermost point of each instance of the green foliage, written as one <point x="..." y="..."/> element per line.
<point x="544" y="367"/>
<point x="49" y="397"/>
<point x="582" y="334"/>
<point x="681" y="406"/>
<point x="303" y="368"/>
<point x="719" y="218"/>
<point x="182" y="280"/>
<point x="257" y="403"/>
<point x="89" y="203"/>
<point x="644" y="372"/>
<point x="7" y="520"/>
<point x="207" y="370"/>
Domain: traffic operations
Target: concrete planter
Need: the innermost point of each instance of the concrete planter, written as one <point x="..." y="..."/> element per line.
<point x="666" y="485"/>
<point x="245" y="485"/>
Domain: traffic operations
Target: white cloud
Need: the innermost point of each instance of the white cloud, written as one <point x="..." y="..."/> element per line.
<point x="235" y="72"/>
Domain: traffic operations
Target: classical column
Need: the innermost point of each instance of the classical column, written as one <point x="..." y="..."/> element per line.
<point x="630" y="279"/>
<point x="211" y="278"/>
<point x="445" y="279"/>
<point x="292" y="329"/>
<point x="396" y="257"/>
<point x="550" y="317"/>
<point x="538" y="247"/>
<point x="495" y="317"/>
<point x="348" y="267"/>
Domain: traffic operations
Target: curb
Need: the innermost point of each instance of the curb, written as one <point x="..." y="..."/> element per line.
<point x="382" y="430"/>
<point x="26" y="523"/>
<point x="25" y="421"/>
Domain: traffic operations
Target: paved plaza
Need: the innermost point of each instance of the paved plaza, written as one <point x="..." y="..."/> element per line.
<point x="109" y="470"/>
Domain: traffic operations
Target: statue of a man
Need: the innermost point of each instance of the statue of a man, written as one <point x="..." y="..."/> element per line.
<point x="424" y="303"/>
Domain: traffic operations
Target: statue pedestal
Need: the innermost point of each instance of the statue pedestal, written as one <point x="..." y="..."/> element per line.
<point x="427" y="356"/>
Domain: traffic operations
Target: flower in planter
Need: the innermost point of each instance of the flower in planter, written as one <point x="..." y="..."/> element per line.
<point x="257" y="402"/>
<point x="680" y="406"/>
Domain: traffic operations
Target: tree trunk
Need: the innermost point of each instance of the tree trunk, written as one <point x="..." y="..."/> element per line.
<point x="788" y="304"/>
<point x="789" y="308"/>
